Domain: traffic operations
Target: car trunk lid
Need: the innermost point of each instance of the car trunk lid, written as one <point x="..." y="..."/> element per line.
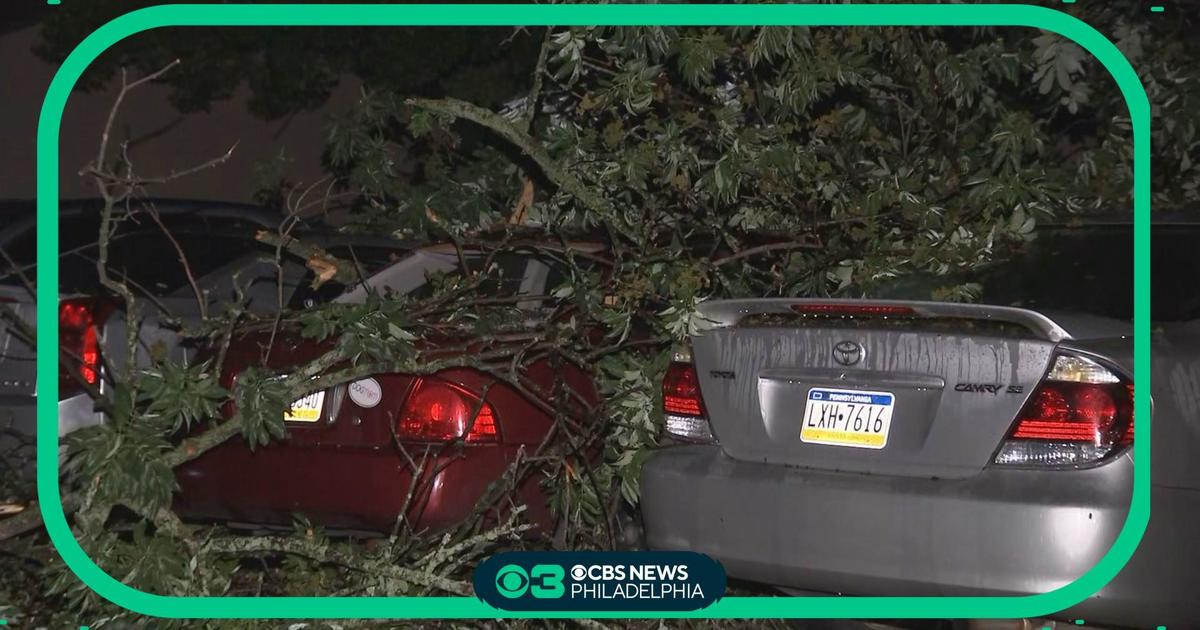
<point x="939" y="385"/>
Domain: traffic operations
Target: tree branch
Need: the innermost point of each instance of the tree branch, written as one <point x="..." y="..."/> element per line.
<point x="553" y="171"/>
<point x="762" y="249"/>
<point x="327" y="554"/>
<point x="112" y="113"/>
<point x="326" y="266"/>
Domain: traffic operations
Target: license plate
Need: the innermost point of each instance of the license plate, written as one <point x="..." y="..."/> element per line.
<point x="847" y="417"/>
<point x="307" y="409"/>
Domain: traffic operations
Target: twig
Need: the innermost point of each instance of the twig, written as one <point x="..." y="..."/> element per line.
<point x="112" y="113"/>
<point x="133" y="183"/>
<point x="201" y="302"/>
<point x="20" y="273"/>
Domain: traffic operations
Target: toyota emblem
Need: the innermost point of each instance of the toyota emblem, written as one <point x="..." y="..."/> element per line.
<point x="848" y="353"/>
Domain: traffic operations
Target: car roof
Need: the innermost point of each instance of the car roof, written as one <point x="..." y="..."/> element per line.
<point x="17" y="216"/>
<point x="24" y="209"/>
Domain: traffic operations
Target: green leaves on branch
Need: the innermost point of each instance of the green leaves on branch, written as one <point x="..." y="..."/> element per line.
<point x="261" y="398"/>
<point x="125" y="463"/>
<point x="180" y="395"/>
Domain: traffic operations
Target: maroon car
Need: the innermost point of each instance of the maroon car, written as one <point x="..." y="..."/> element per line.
<point x="358" y="455"/>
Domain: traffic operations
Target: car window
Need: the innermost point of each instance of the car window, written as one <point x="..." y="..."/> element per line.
<point x="151" y="260"/>
<point x="504" y="280"/>
<point x="1085" y="269"/>
<point x="370" y="259"/>
<point x="558" y="271"/>
<point x="139" y="253"/>
<point x="413" y="277"/>
<point x="76" y="234"/>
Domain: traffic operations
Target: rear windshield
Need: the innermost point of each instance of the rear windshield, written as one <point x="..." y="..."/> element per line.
<point x="370" y="260"/>
<point x="1087" y="270"/>
<point x="502" y="280"/>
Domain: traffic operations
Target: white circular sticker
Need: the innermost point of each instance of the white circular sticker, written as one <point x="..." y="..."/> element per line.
<point x="366" y="393"/>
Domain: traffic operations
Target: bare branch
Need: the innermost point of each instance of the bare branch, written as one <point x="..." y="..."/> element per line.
<point x="112" y="113"/>
<point x="201" y="301"/>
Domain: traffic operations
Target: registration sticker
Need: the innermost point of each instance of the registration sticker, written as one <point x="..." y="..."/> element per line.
<point x="847" y="417"/>
<point x="307" y="409"/>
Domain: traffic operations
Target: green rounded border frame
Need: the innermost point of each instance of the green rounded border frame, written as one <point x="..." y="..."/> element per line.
<point x="545" y="15"/>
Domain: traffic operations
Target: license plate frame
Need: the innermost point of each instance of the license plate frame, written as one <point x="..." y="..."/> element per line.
<point x="830" y="414"/>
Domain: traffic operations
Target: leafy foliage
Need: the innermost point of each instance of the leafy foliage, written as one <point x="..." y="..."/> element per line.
<point x="180" y="395"/>
<point x="292" y="69"/>
<point x="128" y="457"/>
<point x="262" y="399"/>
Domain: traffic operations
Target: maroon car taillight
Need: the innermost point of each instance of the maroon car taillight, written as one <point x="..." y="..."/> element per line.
<point x="683" y="406"/>
<point x="1081" y="413"/>
<point x="438" y="411"/>
<point x="79" y="343"/>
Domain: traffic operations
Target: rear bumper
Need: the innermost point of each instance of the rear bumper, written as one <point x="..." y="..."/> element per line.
<point x="361" y="489"/>
<point x="74" y="413"/>
<point x="20" y="413"/>
<point x="18" y="418"/>
<point x="1002" y="532"/>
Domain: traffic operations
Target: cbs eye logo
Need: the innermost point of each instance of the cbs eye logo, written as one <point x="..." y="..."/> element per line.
<point x="543" y="581"/>
<point x="512" y="581"/>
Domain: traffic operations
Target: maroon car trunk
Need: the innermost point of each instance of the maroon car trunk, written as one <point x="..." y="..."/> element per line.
<point x="349" y="470"/>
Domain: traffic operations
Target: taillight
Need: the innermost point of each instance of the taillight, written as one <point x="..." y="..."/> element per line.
<point x="683" y="407"/>
<point x="1080" y="413"/>
<point x="79" y="343"/>
<point x="438" y="411"/>
<point x="834" y="309"/>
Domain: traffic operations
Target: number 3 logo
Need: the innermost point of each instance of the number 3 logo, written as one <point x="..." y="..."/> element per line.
<point x="546" y="581"/>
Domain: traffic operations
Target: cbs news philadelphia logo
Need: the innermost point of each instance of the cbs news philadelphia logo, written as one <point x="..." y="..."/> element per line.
<point x="547" y="580"/>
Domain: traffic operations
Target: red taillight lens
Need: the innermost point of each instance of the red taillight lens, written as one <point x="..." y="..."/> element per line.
<point x="1069" y="412"/>
<point x="683" y="407"/>
<point x="1073" y="417"/>
<point x="438" y="411"/>
<point x="681" y="391"/>
<point x="79" y="343"/>
<point x="853" y="310"/>
<point x="1128" y="437"/>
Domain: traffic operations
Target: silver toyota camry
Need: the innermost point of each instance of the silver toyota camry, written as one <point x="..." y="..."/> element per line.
<point x="898" y="445"/>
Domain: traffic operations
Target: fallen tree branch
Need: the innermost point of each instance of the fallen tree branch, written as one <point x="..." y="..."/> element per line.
<point x="324" y="265"/>
<point x="26" y="521"/>
<point x="327" y="554"/>
<point x="31" y="518"/>
<point x="769" y="247"/>
<point x="561" y="177"/>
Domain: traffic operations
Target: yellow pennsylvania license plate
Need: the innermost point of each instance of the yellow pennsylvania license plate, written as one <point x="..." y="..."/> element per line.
<point x="307" y="409"/>
<point x="847" y="417"/>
